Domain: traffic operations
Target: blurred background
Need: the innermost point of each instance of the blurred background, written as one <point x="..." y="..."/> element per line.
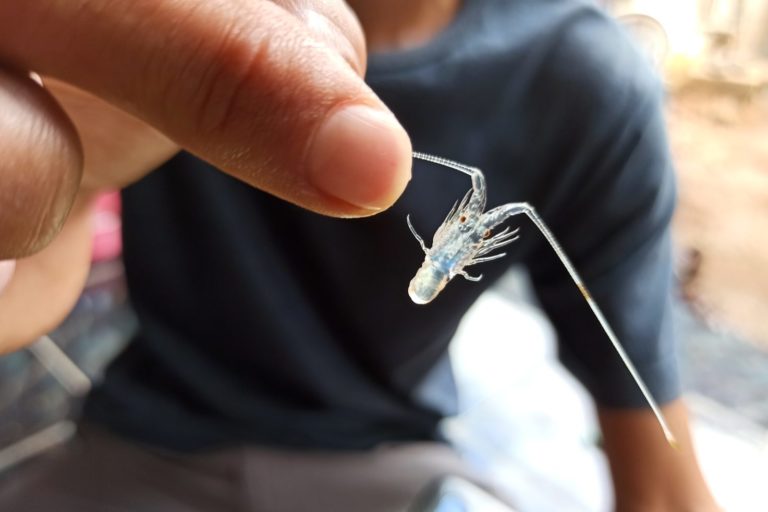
<point x="522" y="412"/>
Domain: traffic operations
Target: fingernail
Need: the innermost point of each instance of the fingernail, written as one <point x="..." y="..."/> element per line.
<point x="362" y="156"/>
<point x="6" y="272"/>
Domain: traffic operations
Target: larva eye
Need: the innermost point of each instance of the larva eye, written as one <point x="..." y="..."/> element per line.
<point x="463" y="219"/>
<point x="487" y="233"/>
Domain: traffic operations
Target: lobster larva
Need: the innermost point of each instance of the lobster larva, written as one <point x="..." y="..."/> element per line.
<point x="465" y="238"/>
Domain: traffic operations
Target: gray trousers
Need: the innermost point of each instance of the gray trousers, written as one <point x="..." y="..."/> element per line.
<point x="98" y="472"/>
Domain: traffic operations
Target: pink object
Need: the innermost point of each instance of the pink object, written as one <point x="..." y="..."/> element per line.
<point x="107" y="225"/>
<point x="6" y="273"/>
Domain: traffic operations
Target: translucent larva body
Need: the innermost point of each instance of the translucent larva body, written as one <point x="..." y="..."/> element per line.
<point x="465" y="238"/>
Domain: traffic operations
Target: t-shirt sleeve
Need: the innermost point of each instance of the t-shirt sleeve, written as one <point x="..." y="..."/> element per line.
<point x="610" y="203"/>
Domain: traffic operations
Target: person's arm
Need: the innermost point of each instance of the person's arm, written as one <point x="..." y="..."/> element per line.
<point x="611" y="203"/>
<point x="649" y="475"/>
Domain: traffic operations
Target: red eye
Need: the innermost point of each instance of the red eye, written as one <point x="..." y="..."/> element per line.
<point x="487" y="233"/>
<point x="463" y="219"/>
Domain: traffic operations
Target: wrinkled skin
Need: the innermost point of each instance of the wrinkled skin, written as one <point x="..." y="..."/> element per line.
<point x="249" y="85"/>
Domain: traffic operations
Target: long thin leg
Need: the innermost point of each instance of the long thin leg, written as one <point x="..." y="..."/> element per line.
<point x="496" y="216"/>
<point x="413" y="230"/>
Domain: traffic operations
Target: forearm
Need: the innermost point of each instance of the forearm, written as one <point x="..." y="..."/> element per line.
<point x="648" y="474"/>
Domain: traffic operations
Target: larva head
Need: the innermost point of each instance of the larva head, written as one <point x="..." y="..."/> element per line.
<point x="427" y="283"/>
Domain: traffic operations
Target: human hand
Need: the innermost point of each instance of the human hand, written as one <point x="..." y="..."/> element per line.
<point x="271" y="92"/>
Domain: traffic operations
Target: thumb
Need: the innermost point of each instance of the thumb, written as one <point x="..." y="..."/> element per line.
<point x="248" y="85"/>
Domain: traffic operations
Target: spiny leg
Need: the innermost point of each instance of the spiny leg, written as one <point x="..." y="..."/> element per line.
<point x="503" y="233"/>
<point x="501" y="236"/>
<point x="451" y="212"/>
<point x="415" y="234"/>
<point x="506" y="237"/>
<point x="496" y="216"/>
<point x="468" y="277"/>
<point x="457" y="209"/>
<point x="500" y="240"/>
<point x="475" y="261"/>
<point x="488" y="248"/>
<point x="464" y="204"/>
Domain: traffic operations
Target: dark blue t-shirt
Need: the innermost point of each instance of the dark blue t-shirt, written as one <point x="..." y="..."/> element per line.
<point x="264" y="323"/>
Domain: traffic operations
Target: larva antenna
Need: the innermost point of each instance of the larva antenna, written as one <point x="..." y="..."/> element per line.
<point x="445" y="162"/>
<point x="500" y="214"/>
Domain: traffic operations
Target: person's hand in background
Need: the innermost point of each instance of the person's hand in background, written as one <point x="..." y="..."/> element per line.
<point x="270" y="92"/>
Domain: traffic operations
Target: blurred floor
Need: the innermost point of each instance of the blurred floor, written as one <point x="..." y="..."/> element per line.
<point x="35" y="408"/>
<point x="522" y="411"/>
